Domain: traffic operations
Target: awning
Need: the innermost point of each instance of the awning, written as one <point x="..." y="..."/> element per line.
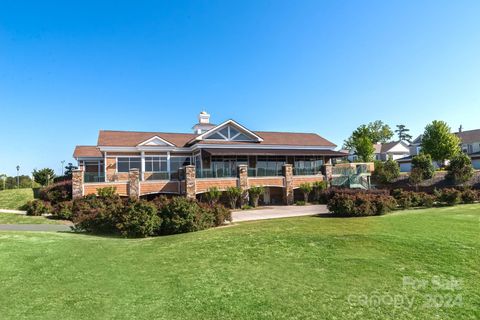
<point x="272" y="152"/>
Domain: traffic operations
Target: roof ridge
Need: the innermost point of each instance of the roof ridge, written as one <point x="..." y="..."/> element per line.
<point x="154" y="132"/>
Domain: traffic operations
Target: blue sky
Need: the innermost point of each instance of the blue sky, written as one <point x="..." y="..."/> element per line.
<point x="68" y="69"/>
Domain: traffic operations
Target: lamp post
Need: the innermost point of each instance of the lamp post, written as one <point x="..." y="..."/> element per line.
<point x="63" y="167"/>
<point x="4" y="179"/>
<point x="18" y="177"/>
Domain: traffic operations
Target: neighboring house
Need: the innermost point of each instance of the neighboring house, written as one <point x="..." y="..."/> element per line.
<point x="224" y="155"/>
<point x="470" y="144"/>
<point x="384" y="151"/>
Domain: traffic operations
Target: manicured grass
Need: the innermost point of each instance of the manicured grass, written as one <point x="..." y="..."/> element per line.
<point x="298" y="268"/>
<point x="15" y="198"/>
<point x="13" y="218"/>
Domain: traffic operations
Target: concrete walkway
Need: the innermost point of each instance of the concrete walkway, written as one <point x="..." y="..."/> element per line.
<point x="34" y="227"/>
<point x="13" y="211"/>
<point x="278" y="212"/>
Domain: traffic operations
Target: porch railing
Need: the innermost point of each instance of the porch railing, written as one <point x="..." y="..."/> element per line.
<point x="93" y="177"/>
<point x="306" y="171"/>
<point x="215" y="173"/>
<point x="263" y="172"/>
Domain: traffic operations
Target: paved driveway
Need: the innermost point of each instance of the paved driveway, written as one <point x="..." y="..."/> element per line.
<point x="278" y="212"/>
<point x="34" y="227"/>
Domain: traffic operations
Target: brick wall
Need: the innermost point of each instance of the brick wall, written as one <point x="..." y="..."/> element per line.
<point x="266" y="182"/>
<point x="91" y="188"/>
<point x="222" y="184"/>
<point x="147" y="187"/>
<point x="298" y="180"/>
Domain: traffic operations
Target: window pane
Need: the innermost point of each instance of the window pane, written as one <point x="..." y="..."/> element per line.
<point x="148" y="166"/>
<point x="135" y="163"/>
<point x="215" y="136"/>
<point x="242" y="137"/>
<point x="224" y="131"/>
<point x="233" y="132"/>
<point x="122" y="166"/>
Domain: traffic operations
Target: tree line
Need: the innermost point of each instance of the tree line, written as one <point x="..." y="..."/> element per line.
<point x="41" y="178"/>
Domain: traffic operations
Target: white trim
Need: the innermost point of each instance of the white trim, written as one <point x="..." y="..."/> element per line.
<point x="221" y="125"/>
<point x="168" y="166"/>
<point x="142" y="166"/>
<point x="105" y="166"/>
<point x="153" y="138"/>
<point x="263" y="146"/>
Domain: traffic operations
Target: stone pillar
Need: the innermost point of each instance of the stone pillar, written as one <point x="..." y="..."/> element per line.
<point x="287" y="171"/>
<point x="328" y="172"/>
<point x="190" y="182"/>
<point x="134" y="183"/>
<point x="77" y="183"/>
<point x="243" y="182"/>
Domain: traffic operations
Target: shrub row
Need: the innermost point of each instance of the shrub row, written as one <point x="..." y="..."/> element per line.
<point x="361" y="204"/>
<point x="141" y="218"/>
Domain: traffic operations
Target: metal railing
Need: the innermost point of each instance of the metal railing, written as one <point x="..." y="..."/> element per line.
<point x="215" y="173"/>
<point x="306" y="171"/>
<point x="263" y="172"/>
<point x="93" y="177"/>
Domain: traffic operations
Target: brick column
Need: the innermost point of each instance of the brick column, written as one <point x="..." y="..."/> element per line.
<point x="190" y="182"/>
<point x="243" y="182"/>
<point x="134" y="183"/>
<point x="287" y="171"/>
<point x="77" y="183"/>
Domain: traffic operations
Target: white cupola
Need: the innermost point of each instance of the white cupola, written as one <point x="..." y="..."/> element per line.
<point x="203" y="124"/>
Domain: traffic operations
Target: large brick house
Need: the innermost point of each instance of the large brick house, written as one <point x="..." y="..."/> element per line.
<point x="224" y="155"/>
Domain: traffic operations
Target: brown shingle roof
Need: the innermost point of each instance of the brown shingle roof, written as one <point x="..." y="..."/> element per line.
<point x="87" y="152"/>
<point x="469" y="136"/>
<point x="133" y="138"/>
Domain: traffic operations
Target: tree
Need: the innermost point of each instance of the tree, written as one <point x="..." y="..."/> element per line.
<point x="402" y="133"/>
<point x="318" y="187"/>
<point x="416" y="176"/>
<point x="376" y="131"/>
<point x="254" y="193"/>
<point x="233" y="194"/>
<point x="69" y="169"/>
<point x="423" y="162"/>
<point x="387" y="171"/>
<point x="3" y="180"/>
<point x="306" y="188"/>
<point x="439" y="142"/>
<point x="43" y="176"/>
<point x="363" y="147"/>
<point x="460" y="168"/>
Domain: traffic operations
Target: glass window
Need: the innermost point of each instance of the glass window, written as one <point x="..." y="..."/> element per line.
<point x="233" y="132"/>
<point x="124" y="164"/>
<point x="215" y="136"/>
<point x="156" y="164"/>
<point x="176" y="163"/>
<point x="224" y="132"/>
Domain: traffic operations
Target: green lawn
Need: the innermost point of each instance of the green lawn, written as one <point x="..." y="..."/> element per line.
<point x="299" y="268"/>
<point x="13" y="218"/>
<point x="15" y="198"/>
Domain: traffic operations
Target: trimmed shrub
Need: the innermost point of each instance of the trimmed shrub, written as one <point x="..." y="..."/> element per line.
<point x="386" y="172"/>
<point x="138" y="218"/>
<point x="360" y="204"/>
<point x="450" y="197"/>
<point x="460" y="169"/>
<point x="212" y="195"/>
<point x="469" y="196"/>
<point x="423" y="163"/>
<point x="300" y="203"/>
<point x="58" y="192"/>
<point x="63" y="210"/>
<point x="38" y="207"/>
<point x="107" y="192"/>
<point x="96" y="214"/>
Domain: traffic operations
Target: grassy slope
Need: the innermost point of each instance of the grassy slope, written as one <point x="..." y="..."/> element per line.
<point x="15" y="198"/>
<point x="299" y="268"/>
<point x="12" y="218"/>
